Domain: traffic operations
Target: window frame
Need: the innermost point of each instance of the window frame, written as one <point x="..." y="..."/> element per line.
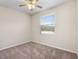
<point x="51" y="14"/>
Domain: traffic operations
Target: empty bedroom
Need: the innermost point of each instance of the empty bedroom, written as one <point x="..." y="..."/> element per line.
<point x="38" y="29"/>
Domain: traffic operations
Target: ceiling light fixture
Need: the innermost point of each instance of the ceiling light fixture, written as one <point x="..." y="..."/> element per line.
<point x="31" y="4"/>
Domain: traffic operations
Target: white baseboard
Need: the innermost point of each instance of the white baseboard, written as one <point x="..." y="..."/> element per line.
<point x="40" y="43"/>
<point x="14" y="45"/>
<point x="55" y="46"/>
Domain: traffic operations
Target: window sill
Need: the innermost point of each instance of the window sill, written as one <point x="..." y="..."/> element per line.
<point x="47" y="32"/>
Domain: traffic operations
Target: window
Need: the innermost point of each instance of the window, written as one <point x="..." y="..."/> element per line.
<point x="47" y="24"/>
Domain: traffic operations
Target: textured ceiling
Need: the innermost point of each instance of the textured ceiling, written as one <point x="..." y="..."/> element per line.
<point x="46" y="4"/>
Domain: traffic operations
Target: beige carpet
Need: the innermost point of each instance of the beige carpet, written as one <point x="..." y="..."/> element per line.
<point x="33" y="50"/>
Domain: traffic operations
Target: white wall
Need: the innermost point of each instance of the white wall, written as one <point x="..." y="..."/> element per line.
<point x="15" y="28"/>
<point x="65" y="36"/>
